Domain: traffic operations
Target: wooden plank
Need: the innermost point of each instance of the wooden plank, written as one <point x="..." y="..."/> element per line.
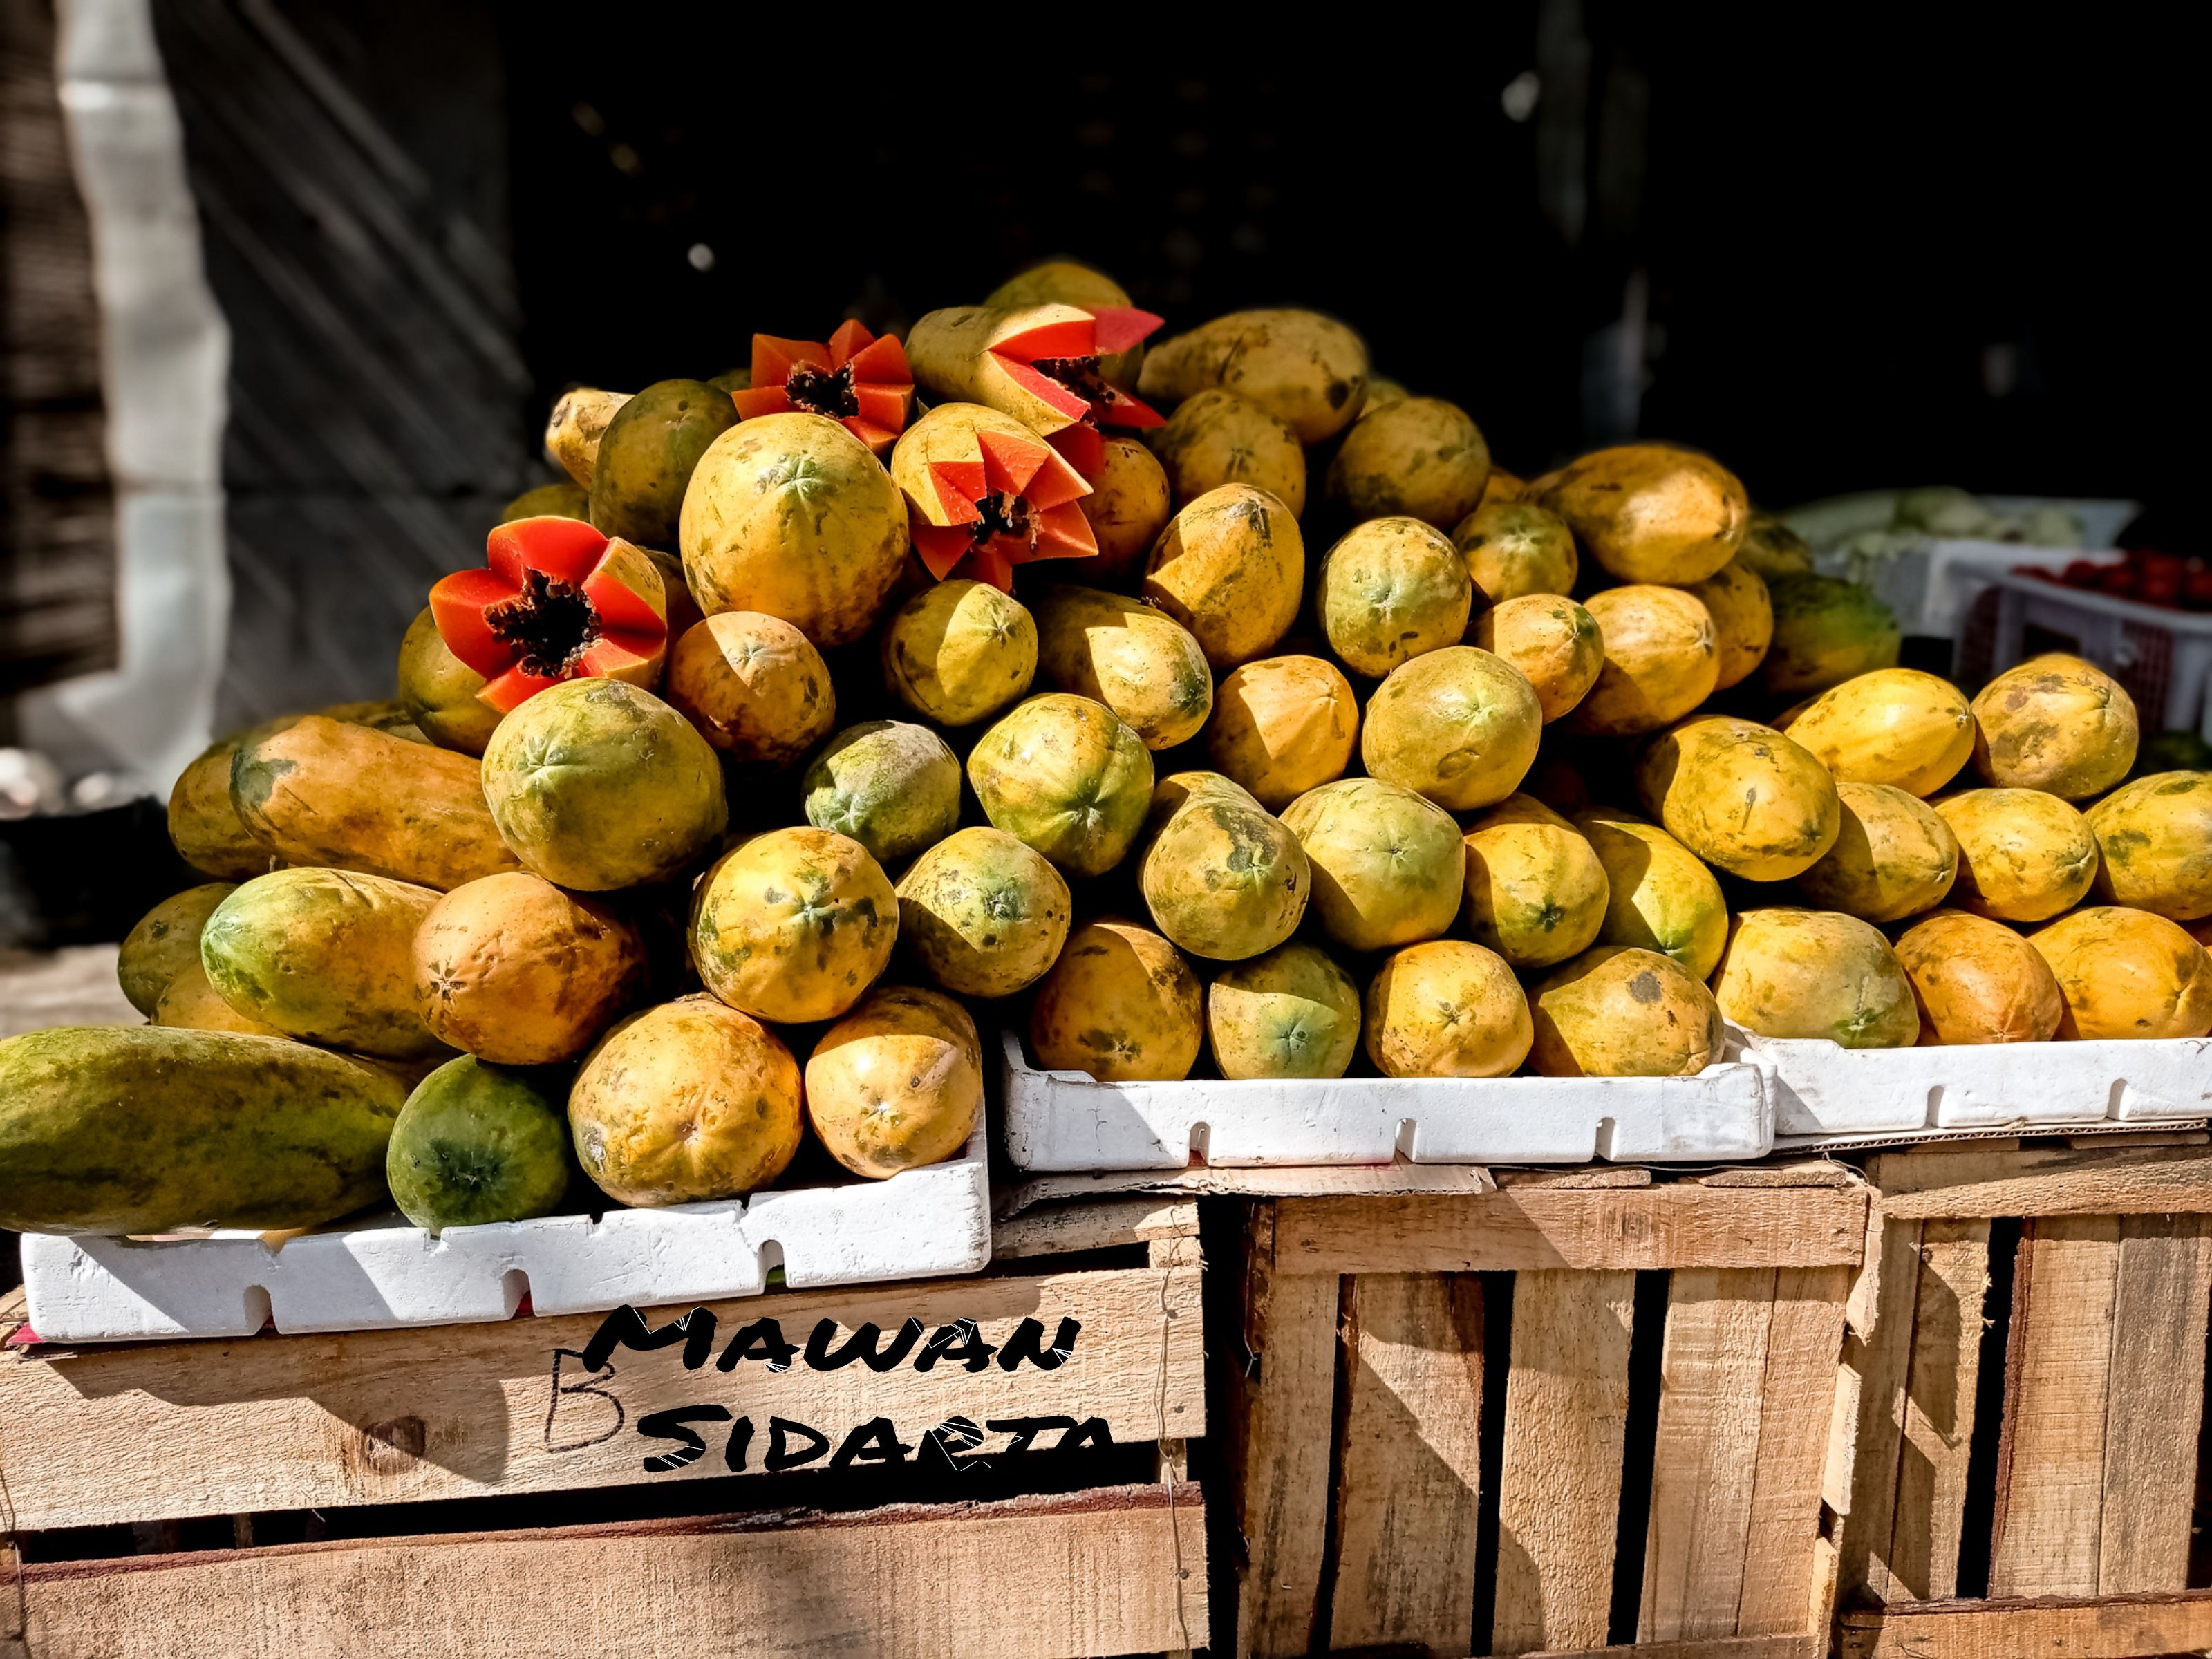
<point x="2156" y="1402"/>
<point x="2115" y="1627"/>
<point x="282" y="1423"/>
<point x="1877" y="1359"/>
<point x="1945" y="1368"/>
<point x="1712" y="1368"/>
<point x="1120" y="1571"/>
<point x="1798" y="1172"/>
<point x="1726" y="1647"/>
<point x="1101" y="1224"/>
<point x="2050" y="1459"/>
<point x="1558" y="1497"/>
<point x="1804" y="1341"/>
<point x="1970" y="1181"/>
<point x="1409" y="1464"/>
<point x="1280" y="1431"/>
<point x="1680" y="1225"/>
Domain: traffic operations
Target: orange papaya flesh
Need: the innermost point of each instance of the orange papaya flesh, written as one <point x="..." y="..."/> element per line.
<point x="1014" y="502"/>
<point x="856" y="379"/>
<point x="554" y="600"/>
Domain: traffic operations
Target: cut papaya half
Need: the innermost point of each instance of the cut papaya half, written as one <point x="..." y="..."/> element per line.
<point x="1037" y="363"/>
<point x="854" y="378"/>
<point x="554" y="600"/>
<point x="985" y="494"/>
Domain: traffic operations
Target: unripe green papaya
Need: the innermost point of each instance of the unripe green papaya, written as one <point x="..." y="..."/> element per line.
<point x="145" y="1129"/>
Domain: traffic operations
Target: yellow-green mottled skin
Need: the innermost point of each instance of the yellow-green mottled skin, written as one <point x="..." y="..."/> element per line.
<point x="1137" y="660"/>
<point x="563" y="500"/>
<point x="1067" y="776"/>
<point x="1826" y="630"/>
<point x="1555" y="644"/>
<point x="2023" y="855"/>
<point x="754" y="685"/>
<point x="646" y="456"/>
<point x="959" y="652"/>
<point x="984" y="915"/>
<point x="439" y="690"/>
<point x="897" y="1084"/>
<point x="204" y="827"/>
<point x="1536" y="892"/>
<point x="1386" y="862"/>
<point x="1770" y="548"/>
<point x="190" y="1003"/>
<point x="792" y="515"/>
<point x="325" y="956"/>
<point x="1128" y="506"/>
<point x="1120" y="1003"/>
<point x="164" y="942"/>
<point x="1743" y="619"/>
<point x="891" y="785"/>
<point x="1619" y="1012"/>
<point x="2057" y="724"/>
<point x="1282" y="725"/>
<point x="1421" y="457"/>
<point x="2127" y="974"/>
<point x="683" y="1104"/>
<point x="1460" y="726"/>
<point x="1893" y="726"/>
<point x="1816" y="973"/>
<point x="1292" y="1012"/>
<point x="1390" y="589"/>
<point x="1446" y="1008"/>
<point x="330" y="791"/>
<point x="1231" y="567"/>
<point x="596" y="785"/>
<point x="1978" y="981"/>
<point x="1660" y="896"/>
<point x="1649" y="512"/>
<point x="2154" y="837"/>
<point x="1894" y="857"/>
<point x="1307" y="370"/>
<point x="1218" y="438"/>
<point x="477" y="1144"/>
<point x="145" y="1129"/>
<point x="1513" y="548"/>
<point x="1223" y="879"/>
<point x="1740" y="795"/>
<point x="793" y="924"/>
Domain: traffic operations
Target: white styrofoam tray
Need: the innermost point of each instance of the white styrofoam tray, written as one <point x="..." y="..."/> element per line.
<point x="384" y="1273"/>
<point x="1069" y="1120"/>
<point x="1823" y="1092"/>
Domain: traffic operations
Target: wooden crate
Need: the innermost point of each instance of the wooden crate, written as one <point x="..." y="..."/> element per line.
<point x="2035" y="1442"/>
<point x="1376" y="1508"/>
<point x="152" y="1435"/>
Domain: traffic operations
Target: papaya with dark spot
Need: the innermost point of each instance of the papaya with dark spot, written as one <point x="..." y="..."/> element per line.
<point x="1619" y="1012"/>
<point x="793" y="924"/>
<point x="1120" y="1003"/>
<point x="983" y="913"/>
<point x="1222" y="877"/>
<point x="1292" y="1012"/>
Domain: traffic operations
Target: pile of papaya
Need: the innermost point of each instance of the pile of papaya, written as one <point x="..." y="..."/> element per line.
<point x="1210" y="703"/>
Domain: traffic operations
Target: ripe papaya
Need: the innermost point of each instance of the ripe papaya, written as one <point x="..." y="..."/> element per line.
<point x="2057" y="724"/>
<point x="1231" y="567"/>
<point x="1292" y="1012"/>
<point x="1222" y="877"/>
<point x="1741" y="796"/>
<point x="1120" y="1003"/>
<point x="2154" y="837"/>
<point x="897" y="1084"/>
<point x="166" y="941"/>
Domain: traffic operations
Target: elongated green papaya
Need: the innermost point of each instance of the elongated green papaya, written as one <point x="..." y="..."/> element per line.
<point x="144" y="1129"/>
<point x="325" y="956"/>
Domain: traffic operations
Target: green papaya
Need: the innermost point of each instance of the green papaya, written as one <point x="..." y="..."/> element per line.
<point x="145" y="1129"/>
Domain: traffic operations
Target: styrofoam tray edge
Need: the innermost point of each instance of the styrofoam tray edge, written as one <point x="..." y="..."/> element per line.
<point x="385" y="1275"/>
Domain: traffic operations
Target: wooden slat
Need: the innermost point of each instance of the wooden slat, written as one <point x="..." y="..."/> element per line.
<point x="1116" y="1571"/>
<point x="2044" y="1182"/>
<point x="1285" y="1384"/>
<point x="2156" y="1402"/>
<point x="1713" y="1368"/>
<point x="1946" y="1338"/>
<point x="2050" y="1460"/>
<point x="1725" y="1647"/>
<point x="1877" y="1361"/>
<point x="282" y="1423"/>
<point x="1804" y="1342"/>
<point x="1100" y="1224"/>
<point x="2120" y="1627"/>
<point x="1679" y="1225"/>
<point x="1566" y="1408"/>
<point x="1408" y="1469"/>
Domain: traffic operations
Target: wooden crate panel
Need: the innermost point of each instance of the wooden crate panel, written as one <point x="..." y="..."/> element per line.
<point x="2118" y="1627"/>
<point x="1114" y="1571"/>
<point x="281" y="1423"/>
